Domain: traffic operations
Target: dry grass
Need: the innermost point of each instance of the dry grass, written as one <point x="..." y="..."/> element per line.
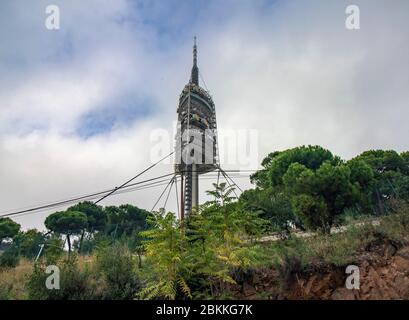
<point x="339" y="248"/>
<point x="12" y="281"/>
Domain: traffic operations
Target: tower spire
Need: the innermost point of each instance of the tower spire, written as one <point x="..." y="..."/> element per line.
<point x="195" y="70"/>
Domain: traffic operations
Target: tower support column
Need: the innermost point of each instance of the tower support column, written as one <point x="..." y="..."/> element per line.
<point x="182" y="198"/>
<point x="195" y="187"/>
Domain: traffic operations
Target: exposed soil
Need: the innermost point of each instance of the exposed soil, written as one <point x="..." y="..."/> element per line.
<point x="384" y="274"/>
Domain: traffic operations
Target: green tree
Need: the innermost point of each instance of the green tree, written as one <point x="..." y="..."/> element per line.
<point x="117" y="267"/>
<point x="66" y="222"/>
<point x="272" y="204"/>
<point x="126" y="220"/>
<point x="96" y="218"/>
<point x="53" y="248"/>
<point x="8" y="228"/>
<point x="10" y="257"/>
<point x="311" y="157"/>
<point x="390" y="177"/>
<point x="320" y="195"/>
<point x="405" y="157"/>
<point x="29" y="243"/>
<point x="384" y="160"/>
<point x="261" y="177"/>
<point x="271" y="198"/>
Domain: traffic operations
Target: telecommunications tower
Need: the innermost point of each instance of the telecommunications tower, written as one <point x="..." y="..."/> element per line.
<point x="196" y="139"/>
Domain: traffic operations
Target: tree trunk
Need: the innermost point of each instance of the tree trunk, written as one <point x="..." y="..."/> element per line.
<point x="139" y="260"/>
<point x="380" y="204"/>
<point x="69" y="243"/>
<point x="82" y="238"/>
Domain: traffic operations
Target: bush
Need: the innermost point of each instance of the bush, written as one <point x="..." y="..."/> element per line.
<point x="119" y="272"/>
<point x="10" y="258"/>
<point x="29" y="243"/>
<point x="396" y="226"/>
<point x="340" y="249"/>
<point x="5" y="291"/>
<point x="75" y="284"/>
<point x="53" y="249"/>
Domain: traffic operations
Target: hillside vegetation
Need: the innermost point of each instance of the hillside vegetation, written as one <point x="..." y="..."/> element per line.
<point x="220" y="250"/>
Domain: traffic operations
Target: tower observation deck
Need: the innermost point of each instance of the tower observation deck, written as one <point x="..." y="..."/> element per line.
<point x="196" y="138"/>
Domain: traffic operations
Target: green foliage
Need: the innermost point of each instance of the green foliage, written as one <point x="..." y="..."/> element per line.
<point x="10" y="258"/>
<point x="149" y="256"/>
<point x="204" y="252"/>
<point x="8" y="228"/>
<point x="318" y="185"/>
<point x="340" y="249"/>
<point x="75" y="284"/>
<point x="261" y="177"/>
<point x="219" y="238"/>
<point x="391" y="177"/>
<point x="405" y="157"/>
<point x="228" y="215"/>
<point x="166" y="255"/>
<point x="361" y="172"/>
<point x="5" y="292"/>
<point x="311" y="157"/>
<point x="384" y="160"/>
<point x="293" y="255"/>
<point x="313" y="212"/>
<point x="321" y="195"/>
<point x="66" y="222"/>
<point x="395" y="226"/>
<point x="88" y="243"/>
<point x="29" y="243"/>
<point x="118" y="270"/>
<point x="53" y="249"/>
<point x="271" y="204"/>
<point x="125" y="220"/>
<point x="96" y="217"/>
<point x="285" y="194"/>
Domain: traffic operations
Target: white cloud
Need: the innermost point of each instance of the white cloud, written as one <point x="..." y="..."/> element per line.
<point x="288" y="69"/>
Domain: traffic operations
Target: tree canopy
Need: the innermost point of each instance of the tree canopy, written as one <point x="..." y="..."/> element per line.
<point x="126" y="219"/>
<point x="309" y="184"/>
<point x="8" y="228"/>
<point x="67" y="222"/>
<point x="96" y="216"/>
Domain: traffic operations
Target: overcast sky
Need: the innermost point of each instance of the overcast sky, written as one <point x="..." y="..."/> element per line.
<point x="78" y="105"/>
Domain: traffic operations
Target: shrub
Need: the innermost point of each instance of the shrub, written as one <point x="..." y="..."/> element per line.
<point x="5" y="291"/>
<point x="396" y="226"/>
<point x="119" y="272"/>
<point x="53" y="249"/>
<point x="166" y="258"/>
<point x="75" y="284"/>
<point x="10" y="258"/>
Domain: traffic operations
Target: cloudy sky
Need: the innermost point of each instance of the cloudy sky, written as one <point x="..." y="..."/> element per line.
<point x="79" y="106"/>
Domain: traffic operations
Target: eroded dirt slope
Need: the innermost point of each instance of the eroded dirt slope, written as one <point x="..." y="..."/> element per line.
<point x="384" y="274"/>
